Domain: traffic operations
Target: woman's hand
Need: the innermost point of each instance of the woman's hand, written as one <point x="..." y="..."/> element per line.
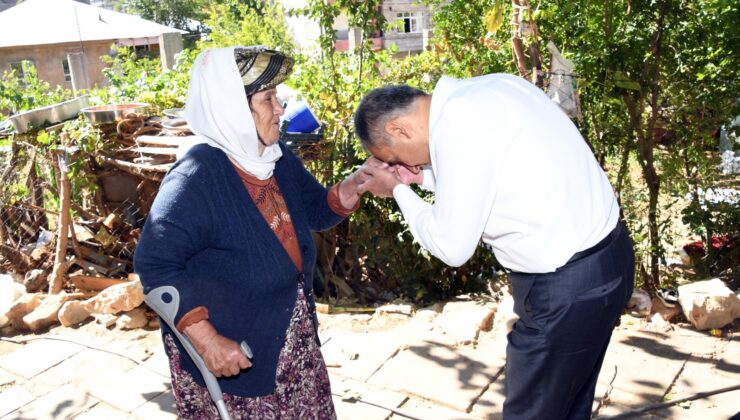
<point x="221" y="355"/>
<point x="350" y="189"/>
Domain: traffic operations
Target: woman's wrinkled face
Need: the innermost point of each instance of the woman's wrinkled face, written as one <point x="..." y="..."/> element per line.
<point x="266" y="112"/>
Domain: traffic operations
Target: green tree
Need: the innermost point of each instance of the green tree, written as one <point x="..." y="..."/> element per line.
<point x="23" y="92"/>
<point x="236" y="23"/>
<point x="180" y="14"/>
<point x="134" y="79"/>
<point x="659" y="78"/>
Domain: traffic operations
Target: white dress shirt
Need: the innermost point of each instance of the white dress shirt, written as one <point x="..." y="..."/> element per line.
<point x="510" y="168"/>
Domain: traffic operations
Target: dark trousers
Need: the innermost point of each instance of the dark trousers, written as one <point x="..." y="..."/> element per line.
<point x="566" y="318"/>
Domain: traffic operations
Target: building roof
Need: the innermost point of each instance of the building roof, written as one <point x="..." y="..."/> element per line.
<point x="43" y="22"/>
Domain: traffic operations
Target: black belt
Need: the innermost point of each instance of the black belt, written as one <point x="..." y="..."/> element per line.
<point x="602" y="244"/>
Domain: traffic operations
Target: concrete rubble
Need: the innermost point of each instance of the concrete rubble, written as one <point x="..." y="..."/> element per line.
<point x="465" y="320"/>
<point x="133" y="319"/>
<point x="118" y="298"/>
<point x="45" y="314"/>
<point x="21" y="311"/>
<point x="73" y="313"/>
<point x="23" y="306"/>
<point x="10" y="290"/>
<point x="708" y="304"/>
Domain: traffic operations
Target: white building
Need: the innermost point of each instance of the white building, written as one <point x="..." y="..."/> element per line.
<point x="62" y="37"/>
<point x="410" y="25"/>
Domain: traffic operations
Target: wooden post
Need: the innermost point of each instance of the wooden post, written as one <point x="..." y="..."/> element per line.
<point x="57" y="274"/>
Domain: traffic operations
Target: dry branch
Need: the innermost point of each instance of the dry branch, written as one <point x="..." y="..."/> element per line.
<point x="138" y="170"/>
<point x="57" y="274"/>
<point x="17" y="259"/>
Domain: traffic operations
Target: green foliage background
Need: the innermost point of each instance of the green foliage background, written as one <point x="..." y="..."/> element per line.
<point x="656" y="80"/>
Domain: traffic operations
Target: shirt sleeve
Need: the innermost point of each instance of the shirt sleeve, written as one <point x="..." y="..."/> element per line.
<point x="429" y="182"/>
<point x="335" y="202"/>
<point x="466" y="181"/>
<point x="179" y="226"/>
<point x="194" y="316"/>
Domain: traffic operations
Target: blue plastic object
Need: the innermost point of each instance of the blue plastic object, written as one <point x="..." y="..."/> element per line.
<point x="301" y="118"/>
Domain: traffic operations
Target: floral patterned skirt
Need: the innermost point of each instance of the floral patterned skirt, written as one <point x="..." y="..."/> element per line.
<point x="302" y="388"/>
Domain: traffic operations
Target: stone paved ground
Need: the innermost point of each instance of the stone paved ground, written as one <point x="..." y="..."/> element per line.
<point x="423" y="366"/>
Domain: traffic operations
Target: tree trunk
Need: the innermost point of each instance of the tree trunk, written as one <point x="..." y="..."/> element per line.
<point x="623" y="166"/>
<point x="516" y="41"/>
<point x="651" y="177"/>
<point x="534" y="49"/>
<point x="645" y="133"/>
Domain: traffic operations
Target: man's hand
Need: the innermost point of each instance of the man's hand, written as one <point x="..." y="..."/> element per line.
<point x="221" y="355"/>
<point x="382" y="180"/>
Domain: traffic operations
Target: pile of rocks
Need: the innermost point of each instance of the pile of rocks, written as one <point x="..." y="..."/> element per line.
<point x="707" y="305"/>
<point x="119" y="304"/>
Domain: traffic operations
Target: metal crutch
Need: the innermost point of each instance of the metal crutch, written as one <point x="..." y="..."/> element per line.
<point x="165" y="301"/>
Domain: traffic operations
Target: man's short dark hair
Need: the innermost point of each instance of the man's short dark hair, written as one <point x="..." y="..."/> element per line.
<point x="380" y="106"/>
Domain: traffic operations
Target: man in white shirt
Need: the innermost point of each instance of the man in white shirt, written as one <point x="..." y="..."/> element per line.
<point x="509" y="168"/>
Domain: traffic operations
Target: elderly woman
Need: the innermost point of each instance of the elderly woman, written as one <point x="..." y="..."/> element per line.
<point x="231" y="230"/>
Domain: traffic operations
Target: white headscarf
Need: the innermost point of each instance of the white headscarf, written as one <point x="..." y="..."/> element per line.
<point x="218" y="112"/>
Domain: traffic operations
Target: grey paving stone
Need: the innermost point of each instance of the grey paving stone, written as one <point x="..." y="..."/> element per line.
<point x="490" y="405"/>
<point x="14" y="398"/>
<point x="358" y="355"/>
<point x="452" y="377"/>
<point x="687" y="339"/>
<point x="158" y="362"/>
<point x="428" y="411"/>
<point x="61" y="403"/>
<point x="616" y="409"/>
<point x="8" y="347"/>
<point x="6" y="377"/>
<point x="729" y="358"/>
<point x="356" y="410"/>
<point x="89" y="333"/>
<point x="82" y="366"/>
<point x="701" y="375"/>
<point x="136" y="344"/>
<point x="128" y="390"/>
<point x="38" y="356"/>
<point x="161" y="407"/>
<point x="102" y="411"/>
<point x="645" y="366"/>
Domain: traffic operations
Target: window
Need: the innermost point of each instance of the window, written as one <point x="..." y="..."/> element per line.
<point x="65" y="69"/>
<point x="143" y="51"/>
<point x="408" y="22"/>
<point x="21" y="69"/>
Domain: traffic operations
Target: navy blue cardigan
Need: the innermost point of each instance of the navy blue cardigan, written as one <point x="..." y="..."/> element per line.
<point x="205" y="236"/>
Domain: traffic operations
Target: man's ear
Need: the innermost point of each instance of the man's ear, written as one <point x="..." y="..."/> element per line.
<point x="397" y="129"/>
